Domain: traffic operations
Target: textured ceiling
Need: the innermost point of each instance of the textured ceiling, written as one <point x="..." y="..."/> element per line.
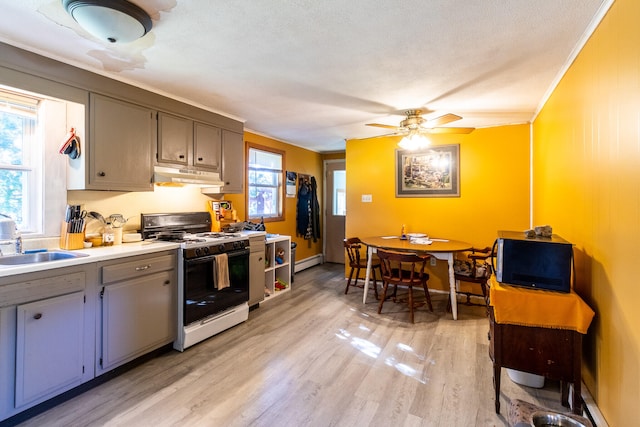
<point x="312" y="73"/>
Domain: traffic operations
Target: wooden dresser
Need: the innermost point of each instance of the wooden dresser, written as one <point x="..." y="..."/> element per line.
<point x="522" y="340"/>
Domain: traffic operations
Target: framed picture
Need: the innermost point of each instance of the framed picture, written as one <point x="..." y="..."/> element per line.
<point x="292" y="177"/>
<point x="429" y="172"/>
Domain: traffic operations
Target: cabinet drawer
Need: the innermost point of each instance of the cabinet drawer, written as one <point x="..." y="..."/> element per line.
<point x="37" y="289"/>
<point x="137" y="268"/>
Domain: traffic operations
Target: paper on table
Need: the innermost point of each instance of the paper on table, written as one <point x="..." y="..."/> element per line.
<point x="421" y="240"/>
<point x="389" y="237"/>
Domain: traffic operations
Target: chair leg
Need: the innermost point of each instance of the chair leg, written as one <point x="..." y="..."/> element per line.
<point x="428" y="296"/>
<point x="355" y="283"/>
<point x="346" y="289"/>
<point x="375" y="283"/>
<point x="385" y="286"/>
<point x="411" y="304"/>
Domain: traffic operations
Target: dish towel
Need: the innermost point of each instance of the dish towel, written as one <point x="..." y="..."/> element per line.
<point x="535" y="307"/>
<point x="221" y="271"/>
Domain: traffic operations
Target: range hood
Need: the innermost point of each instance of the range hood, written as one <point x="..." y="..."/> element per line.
<point x="174" y="175"/>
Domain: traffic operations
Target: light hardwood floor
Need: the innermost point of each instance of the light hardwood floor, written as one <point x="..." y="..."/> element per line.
<point x="315" y="357"/>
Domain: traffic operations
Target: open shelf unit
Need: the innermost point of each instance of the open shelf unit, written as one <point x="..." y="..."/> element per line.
<point x="277" y="272"/>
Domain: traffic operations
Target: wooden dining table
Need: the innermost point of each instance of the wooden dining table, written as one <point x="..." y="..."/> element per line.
<point x="442" y="249"/>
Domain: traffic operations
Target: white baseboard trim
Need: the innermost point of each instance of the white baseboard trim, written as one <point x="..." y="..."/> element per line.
<point x="593" y="412"/>
<point x="308" y="262"/>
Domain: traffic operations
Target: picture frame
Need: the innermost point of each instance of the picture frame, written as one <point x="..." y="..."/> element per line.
<point x="429" y="172"/>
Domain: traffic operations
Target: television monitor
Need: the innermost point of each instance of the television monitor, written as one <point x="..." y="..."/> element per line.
<point x="538" y="263"/>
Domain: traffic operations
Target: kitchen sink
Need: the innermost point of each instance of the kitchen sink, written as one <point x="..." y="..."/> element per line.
<point x="38" y="257"/>
<point x="543" y="419"/>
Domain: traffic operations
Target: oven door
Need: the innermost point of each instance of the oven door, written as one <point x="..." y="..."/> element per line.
<point x="202" y="298"/>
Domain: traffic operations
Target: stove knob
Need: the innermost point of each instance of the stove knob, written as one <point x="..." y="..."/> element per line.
<point x="221" y="248"/>
<point x="206" y="250"/>
<point x="198" y="252"/>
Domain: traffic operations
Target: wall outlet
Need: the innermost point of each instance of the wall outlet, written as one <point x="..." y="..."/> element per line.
<point x="433" y="261"/>
<point x="367" y="198"/>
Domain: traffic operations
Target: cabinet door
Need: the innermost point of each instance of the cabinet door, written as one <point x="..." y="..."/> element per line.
<point x="121" y="136"/>
<point x="207" y="147"/>
<point x="138" y="316"/>
<point x="49" y="347"/>
<point x="256" y="277"/>
<point x="175" y="140"/>
<point x="232" y="162"/>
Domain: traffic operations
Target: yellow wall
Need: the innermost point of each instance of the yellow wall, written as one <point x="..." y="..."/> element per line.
<point x="494" y="191"/>
<point x="184" y="199"/>
<point x="297" y="160"/>
<point x="586" y="178"/>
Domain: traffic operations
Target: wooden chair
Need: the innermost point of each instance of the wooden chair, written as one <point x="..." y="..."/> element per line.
<point x="353" y="247"/>
<point x="474" y="269"/>
<point x="403" y="269"/>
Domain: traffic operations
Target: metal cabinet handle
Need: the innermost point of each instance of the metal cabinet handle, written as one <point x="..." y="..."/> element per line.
<point x="167" y="282"/>
<point x="200" y="159"/>
<point x="37" y="316"/>
<point x="181" y="156"/>
<point x="102" y="173"/>
<point x="144" y="267"/>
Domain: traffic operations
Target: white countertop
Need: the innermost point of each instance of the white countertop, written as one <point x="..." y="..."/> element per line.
<point x="101" y="253"/>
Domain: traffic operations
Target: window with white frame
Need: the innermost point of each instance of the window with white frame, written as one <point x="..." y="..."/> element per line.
<point x="31" y="128"/>
<point x="264" y="183"/>
<point x="19" y="158"/>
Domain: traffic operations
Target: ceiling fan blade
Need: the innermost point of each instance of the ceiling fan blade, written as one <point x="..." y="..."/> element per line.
<point x="438" y="121"/>
<point x="450" y="130"/>
<point x="381" y="126"/>
<point x="379" y="136"/>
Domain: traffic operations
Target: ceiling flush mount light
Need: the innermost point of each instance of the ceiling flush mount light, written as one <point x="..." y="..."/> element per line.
<point x="114" y="21"/>
<point x="414" y="141"/>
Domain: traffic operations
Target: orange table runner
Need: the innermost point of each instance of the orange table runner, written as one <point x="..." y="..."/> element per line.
<point x="534" y="307"/>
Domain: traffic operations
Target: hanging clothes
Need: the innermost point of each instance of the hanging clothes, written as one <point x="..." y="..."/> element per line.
<point x="308" y="209"/>
<point x="302" y="211"/>
<point x="315" y="211"/>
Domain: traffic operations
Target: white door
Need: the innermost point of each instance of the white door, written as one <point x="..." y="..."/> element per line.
<point x="336" y="210"/>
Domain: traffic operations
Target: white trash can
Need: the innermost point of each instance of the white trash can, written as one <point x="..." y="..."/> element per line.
<point x="525" y="378"/>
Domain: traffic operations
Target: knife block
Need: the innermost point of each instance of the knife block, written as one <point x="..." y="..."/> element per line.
<point x="70" y="241"/>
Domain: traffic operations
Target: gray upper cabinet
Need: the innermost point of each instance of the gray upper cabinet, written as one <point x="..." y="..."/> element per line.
<point x="187" y="143"/>
<point x="232" y="162"/>
<point x="121" y="136"/>
<point x="175" y="140"/>
<point x="207" y="146"/>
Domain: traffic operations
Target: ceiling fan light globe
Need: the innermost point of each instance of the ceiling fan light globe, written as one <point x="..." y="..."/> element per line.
<point x="414" y="141"/>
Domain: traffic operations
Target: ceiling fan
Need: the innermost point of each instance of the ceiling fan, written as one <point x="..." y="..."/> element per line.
<point x="415" y="123"/>
<point x="414" y="128"/>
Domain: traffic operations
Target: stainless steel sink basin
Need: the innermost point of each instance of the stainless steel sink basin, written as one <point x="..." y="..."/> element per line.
<point x="38" y="257"/>
<point x="544" y="419"/>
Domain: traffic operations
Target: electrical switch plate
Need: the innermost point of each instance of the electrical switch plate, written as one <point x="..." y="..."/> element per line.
<point x="367" y="198"/>
<point x="433" y="262"/>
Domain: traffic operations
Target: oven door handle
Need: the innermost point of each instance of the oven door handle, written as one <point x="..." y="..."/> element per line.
<point x="209" y="258"/>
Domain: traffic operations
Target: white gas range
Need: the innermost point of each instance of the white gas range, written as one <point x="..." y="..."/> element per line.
<point x="213" y="274"/>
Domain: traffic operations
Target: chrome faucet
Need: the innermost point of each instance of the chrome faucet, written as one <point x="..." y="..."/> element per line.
<point x="18" y="243"/>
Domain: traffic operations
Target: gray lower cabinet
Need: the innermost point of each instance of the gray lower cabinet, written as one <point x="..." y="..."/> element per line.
<point x="137" y="308"/>
<point x="49" y="347"/>
<point x="46" y="336"/>
<point x="256" y="270"/>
